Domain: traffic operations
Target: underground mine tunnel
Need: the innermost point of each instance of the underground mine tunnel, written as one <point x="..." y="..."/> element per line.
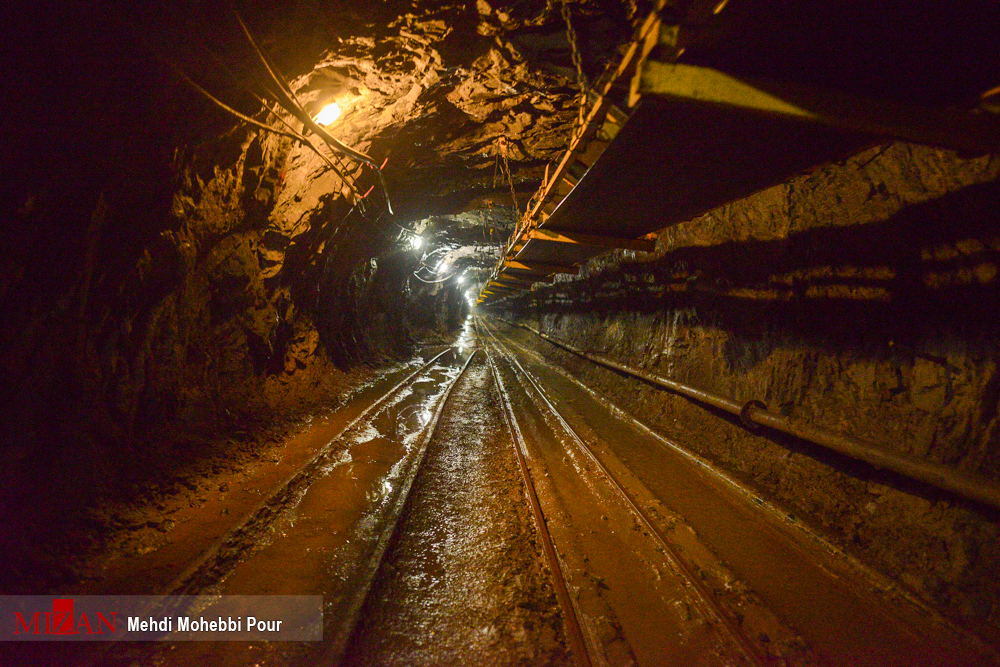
<point x="578" y="332"/>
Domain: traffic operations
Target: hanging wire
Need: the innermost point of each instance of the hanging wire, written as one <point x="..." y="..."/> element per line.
<point x="288" y="100"/>
<point x="290" y="132"/>
<point x="501" y="148"/>
<point x="298" y="138"/>
<point x="434" y="282"/>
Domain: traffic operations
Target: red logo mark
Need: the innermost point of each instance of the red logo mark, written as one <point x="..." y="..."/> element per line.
<point x="62" y="621"/>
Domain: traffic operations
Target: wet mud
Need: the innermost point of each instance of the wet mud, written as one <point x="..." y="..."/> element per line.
<point x="465" y="581"/>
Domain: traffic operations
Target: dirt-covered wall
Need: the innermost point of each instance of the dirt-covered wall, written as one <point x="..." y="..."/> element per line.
<point x="149" y="321"/>
<point x="860" y="297"/>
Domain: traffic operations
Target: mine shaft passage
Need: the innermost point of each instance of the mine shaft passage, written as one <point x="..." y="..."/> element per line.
<point x="537" y="332"/>
<point x="443" y="513"/>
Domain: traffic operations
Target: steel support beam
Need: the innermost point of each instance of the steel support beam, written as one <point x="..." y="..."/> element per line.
<point x="504" y="286"/>
<point x="512" y="283"/>
<point x="543" y="268"/>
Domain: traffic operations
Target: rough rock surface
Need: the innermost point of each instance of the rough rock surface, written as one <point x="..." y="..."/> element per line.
<point x="171" y="275"/>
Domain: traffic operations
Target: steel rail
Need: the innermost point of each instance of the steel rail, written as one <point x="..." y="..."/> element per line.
<point x="724" y="619"/>
<point x="754" y="413"/>
<point x="574" y="632"/>
<point x="341" y="640"/>
<point x="176" y="587"/>
<point x="875" y="578"/>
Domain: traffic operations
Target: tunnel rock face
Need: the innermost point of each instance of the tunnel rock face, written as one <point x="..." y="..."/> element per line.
<point x="192" y="271"/>
<point x="173" y="272"/>
<point x="858" y="298"/>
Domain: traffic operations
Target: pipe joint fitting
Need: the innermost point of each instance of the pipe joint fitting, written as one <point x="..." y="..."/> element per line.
<point x="746" y="414"/>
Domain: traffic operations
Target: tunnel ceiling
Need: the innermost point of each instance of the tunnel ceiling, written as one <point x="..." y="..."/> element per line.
<point x="181" y="291"/>
<point x="166" y="263"/>
<point x="451" y="97"/>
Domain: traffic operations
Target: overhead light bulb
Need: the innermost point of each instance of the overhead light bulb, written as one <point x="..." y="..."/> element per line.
<point x="417" y="242"/>
<point x="461" y="279"/>
<point x="329" y="114"/>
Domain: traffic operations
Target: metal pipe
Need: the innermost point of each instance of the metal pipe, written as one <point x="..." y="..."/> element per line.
<point x="753" y="413"/>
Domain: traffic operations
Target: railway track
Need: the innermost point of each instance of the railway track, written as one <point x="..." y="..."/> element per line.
<point x="652" y="557"/>
<point x="722" y="636"/>
<point x="219" y="559"/>
<point x="323" y="530"/>
<point x="769" y="590"/>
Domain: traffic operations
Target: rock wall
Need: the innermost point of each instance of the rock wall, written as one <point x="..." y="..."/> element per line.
<point x="172" y="279"/>
<point x="859" y="297"/>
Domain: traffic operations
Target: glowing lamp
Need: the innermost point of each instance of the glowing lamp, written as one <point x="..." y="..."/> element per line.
<point x="330" y="113"/>
<point x="417" y="242"/>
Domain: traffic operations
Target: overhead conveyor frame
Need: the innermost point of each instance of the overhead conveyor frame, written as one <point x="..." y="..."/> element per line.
<point x="698" y="137"/>
<point x="966" y="131"/>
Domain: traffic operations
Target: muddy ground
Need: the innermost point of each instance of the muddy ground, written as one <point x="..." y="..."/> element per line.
<point x="188" y="471"/>
<point x="466" y="576"/>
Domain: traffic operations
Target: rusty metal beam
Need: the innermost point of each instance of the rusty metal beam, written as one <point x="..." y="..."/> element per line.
<point x="512" y="277"/>
<point x="563" y="236"/>
<point x="514" y="282"/>
<point x="504" y="286"/>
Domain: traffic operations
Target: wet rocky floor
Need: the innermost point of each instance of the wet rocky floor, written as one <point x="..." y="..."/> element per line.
<point x="465" y="579"/>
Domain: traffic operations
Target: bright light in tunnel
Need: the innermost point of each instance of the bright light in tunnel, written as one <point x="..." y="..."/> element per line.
<point x="417" y="242"/>
<point x="461" y="279"/>
<point x="329" y="114"/>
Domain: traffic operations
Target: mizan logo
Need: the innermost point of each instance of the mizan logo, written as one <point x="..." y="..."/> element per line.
<point x="62" y="621"/>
